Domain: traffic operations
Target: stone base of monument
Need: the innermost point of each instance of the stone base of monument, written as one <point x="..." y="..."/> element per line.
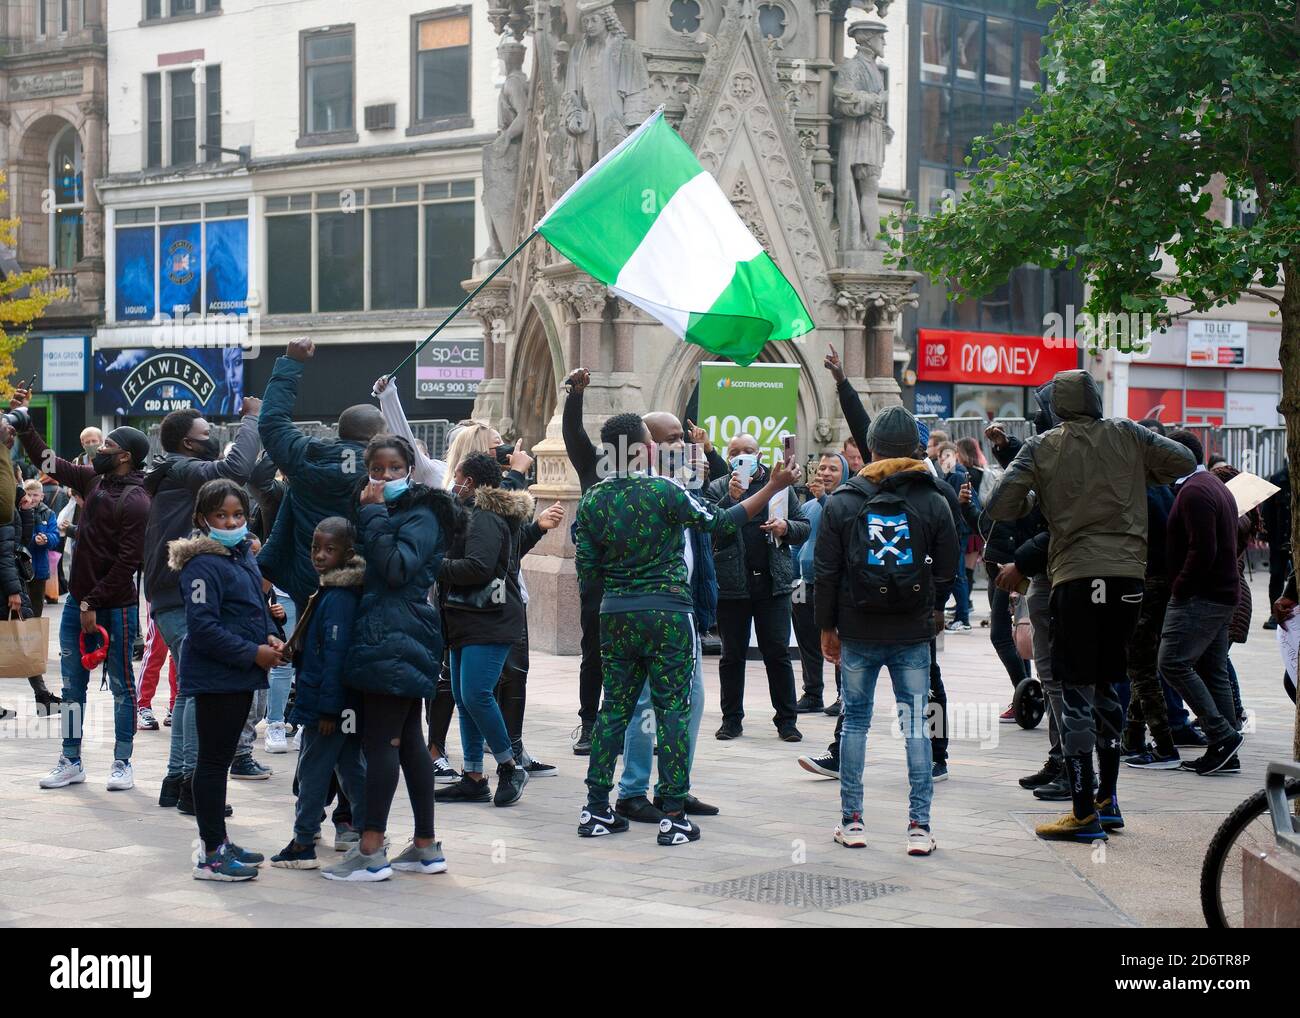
<point x="554" y="613"/>
<point x="1272" y="888"/>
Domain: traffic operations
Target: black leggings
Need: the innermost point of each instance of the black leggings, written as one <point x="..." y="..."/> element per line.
<point x="391" y="735"/>
<point x="220" y="719"/>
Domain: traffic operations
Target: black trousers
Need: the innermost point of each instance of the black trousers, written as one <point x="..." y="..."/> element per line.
<point x="1279" y="565"/>
<point x="771" y="619"/>
<point x="589" y="671"/>
<point x="220" y="719"/>
<point x="392" y="737"/>
<point x="438" y="710"/>
<point x="809" y="638"/>
<point x="512" y="691"/>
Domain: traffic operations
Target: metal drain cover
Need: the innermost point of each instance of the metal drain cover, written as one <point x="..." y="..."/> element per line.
<point x="799" y="888"/>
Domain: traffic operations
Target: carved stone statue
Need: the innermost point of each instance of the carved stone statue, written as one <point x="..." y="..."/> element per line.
<point x="605" y="86"/>
<point x="501" y="155"/>
<point x="858" y="102"/>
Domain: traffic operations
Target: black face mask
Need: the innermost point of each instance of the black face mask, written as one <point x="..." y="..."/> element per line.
<point x="104" y="462"/>
<point x="208" y="449"/>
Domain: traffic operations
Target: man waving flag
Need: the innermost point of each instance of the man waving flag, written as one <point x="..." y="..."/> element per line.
<point x="651" y="223"/>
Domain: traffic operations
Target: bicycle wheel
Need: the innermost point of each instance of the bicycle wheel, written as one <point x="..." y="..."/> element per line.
<point x="1247" y="827"/>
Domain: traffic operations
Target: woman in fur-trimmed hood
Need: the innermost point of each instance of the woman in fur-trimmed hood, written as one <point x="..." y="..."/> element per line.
<point x="483" y="611"/>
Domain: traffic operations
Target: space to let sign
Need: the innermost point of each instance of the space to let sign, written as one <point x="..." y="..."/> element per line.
<point x="449" y="369"/>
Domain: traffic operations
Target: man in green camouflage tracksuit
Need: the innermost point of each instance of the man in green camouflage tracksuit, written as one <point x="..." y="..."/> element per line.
<point x="629" y="535"/>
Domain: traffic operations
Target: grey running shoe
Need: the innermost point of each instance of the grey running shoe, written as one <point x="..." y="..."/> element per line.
<point x="421" y="860"/>
<point x="360" y="868"/>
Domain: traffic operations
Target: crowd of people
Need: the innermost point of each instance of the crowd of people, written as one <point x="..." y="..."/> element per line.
<point x="350" y="595"/>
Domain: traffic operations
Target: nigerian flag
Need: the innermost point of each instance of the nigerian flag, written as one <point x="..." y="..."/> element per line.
<point x="652" y="224"/>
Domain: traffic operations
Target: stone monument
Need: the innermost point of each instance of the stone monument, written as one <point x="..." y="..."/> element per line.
<point x="501" y="155"/>
<point x="859" y="105"/>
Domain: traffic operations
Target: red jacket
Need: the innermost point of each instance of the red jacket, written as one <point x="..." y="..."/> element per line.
<point x="110" y="537"/>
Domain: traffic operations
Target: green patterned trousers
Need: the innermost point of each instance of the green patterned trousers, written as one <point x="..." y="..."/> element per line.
<point x="657" y="646"/>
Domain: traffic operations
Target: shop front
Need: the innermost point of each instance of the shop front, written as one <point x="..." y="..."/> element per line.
<point x="984" y="374"/>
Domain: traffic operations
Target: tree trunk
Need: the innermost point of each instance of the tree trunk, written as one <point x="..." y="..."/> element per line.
<point x="1289" y="355"/>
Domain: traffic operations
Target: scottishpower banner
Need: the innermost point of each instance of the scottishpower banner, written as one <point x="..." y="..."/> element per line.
<point x="760" y="400"/>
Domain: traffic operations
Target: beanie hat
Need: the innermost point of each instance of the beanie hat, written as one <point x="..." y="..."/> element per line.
<point x="133" y="441"/>
<point x="893" y="432"/>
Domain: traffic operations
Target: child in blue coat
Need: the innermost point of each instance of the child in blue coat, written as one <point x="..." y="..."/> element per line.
<point x="330" y="739"/>
<point x="224" y="658"/>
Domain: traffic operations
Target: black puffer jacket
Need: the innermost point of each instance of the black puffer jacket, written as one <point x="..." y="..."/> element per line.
<point x="729" y="558"/>
<point x="485" y="550"/>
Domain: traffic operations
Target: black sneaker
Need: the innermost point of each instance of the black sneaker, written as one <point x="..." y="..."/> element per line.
<point x="835" y="709"/>
<point x="639" y="810"/>
<point x="170" y="793"/>
<point x="693" y="807"/>
<point x="1048" y="773"/>
<point x="677" y="831"/>
<point x="728" y="731"/>
<point x="535" y="767"/>
<point x="510" y="784"/>
<point x="1270" y="623"/>
<point x="1233" y="766"/>
<point x="582" y="739"/>
<point x="809" y="704"/>
<point x="1189" y="735"/>
<point x="597" y="821"/>
<point x="296" y="857"/>
<point x="1217" y="757"/>
<point x="443" y="772"/>
<point x="1056" y="790"/>
<point x="827" y="765"/>
<point x="465" y="790"/>
<point x="789" y="733"/>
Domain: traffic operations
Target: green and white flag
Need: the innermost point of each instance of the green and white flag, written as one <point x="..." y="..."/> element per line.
<point x="652" y="224"/>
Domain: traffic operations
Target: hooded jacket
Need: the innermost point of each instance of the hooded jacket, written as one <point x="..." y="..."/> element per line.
<point x="1090" y="477"/>
<point x="930" y="507"/>
<point x="319" y="643"/>
<point x="485" y="550"/>
<point x="110" y="536"/>
<point x="397" y="638"/>
<point x="172" y="485"/>
<point x="226" y="616"/>
<point x="812" y="512"/>
<point x="322" y="475"/>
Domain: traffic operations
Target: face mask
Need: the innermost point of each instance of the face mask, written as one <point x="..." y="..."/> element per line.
<point x="209" y="449"/>
<point x="229" y="538"/>
<point x="458" y="490"/>
<point x="103" y="462"/>
<point x="745" y="461"/>
<point x="393" y="490"/>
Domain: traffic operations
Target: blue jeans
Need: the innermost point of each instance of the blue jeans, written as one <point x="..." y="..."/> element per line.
<point x="475" y="670"/>
<point x="320" y="758"/>
<point x="122" y="624"/>
<point x="961" y="591"/>
<point x="909" y="671"/>
<point x="281" y="677"/>
<point x="183" y="753"/>
<point x="638" y="743"/>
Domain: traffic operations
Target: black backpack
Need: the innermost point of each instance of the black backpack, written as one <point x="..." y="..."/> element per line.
<point x="888" y="554"/>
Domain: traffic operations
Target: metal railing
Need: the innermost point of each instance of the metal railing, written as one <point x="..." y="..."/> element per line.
<point x="432" y="433"/>
<point x="1285" y="827"/>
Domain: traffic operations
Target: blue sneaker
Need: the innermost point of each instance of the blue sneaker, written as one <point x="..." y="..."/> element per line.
<point x="243" y="855"/>
<point x="1108" y="813"/>
<point x="939" y="772"/>
<point x="1151" y="759"/>
<point x="245" y="768"/>
<point x="223" y="865"/>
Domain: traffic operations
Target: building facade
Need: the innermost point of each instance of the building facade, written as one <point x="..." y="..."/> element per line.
<point x="53" y="88"/>
<point x="309" y="167"/>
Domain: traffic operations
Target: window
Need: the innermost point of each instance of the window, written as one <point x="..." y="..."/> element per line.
<point x="42" y="17"/>
<point x="771" y="20"/>
<point x="212" y="114"/>
<point x="936" y="42"/>
<point x="183" y="127"/>
<point x="998" y="40"/>
<point x="441" y="67"/>
<point x="327" y="70"/>
<point x="376" y="249"/>
<point x="156" y="10"/>
<point x="64" y="16"/>
<point x="68" y="186"/>
<point x="684" y="16"/>
<point x="288" y="255"/>
<point x="153" y="120"/>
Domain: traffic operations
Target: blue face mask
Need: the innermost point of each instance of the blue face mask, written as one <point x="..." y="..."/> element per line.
<point x="745" y="461"/>
<point x="393" y="490"/>
<point x="229" y="538"/>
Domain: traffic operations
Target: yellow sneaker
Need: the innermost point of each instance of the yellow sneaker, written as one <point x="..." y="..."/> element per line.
<point x="1071" y="828"/>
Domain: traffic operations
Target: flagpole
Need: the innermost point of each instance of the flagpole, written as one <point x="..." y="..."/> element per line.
<point x="462" y="305"/>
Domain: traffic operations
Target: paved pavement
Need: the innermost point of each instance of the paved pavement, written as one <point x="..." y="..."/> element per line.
<point x="84" y="856"/>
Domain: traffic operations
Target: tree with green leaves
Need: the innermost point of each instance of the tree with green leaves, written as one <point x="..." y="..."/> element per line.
<point x="1147" y="103"/>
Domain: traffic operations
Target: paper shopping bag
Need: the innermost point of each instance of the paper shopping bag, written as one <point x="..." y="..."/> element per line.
<point x="23" y="646"/>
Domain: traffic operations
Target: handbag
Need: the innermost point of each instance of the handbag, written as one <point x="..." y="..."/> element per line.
<point x="24" y="644"/>
<point x="477" y="599"/>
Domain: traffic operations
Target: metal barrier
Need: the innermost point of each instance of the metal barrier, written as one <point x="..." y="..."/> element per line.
<point x="432" y="433"/>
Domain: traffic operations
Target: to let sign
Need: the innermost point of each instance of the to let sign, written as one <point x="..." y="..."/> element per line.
<point x="989" y="358"/>
<point x="1213" y="343"/>
<point x="449" y="369"/>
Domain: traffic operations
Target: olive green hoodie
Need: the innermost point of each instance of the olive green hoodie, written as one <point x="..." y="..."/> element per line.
<point x="1090" y="477"/>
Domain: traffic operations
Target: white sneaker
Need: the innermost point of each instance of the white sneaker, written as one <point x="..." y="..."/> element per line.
<point x="121" y="777"/>
<point x="65" y="773"/>
<point x="297" y="739"/>
<point x="919" y="840"/>
<point x="851" y="833"/>
<point x="275" y="740"/>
